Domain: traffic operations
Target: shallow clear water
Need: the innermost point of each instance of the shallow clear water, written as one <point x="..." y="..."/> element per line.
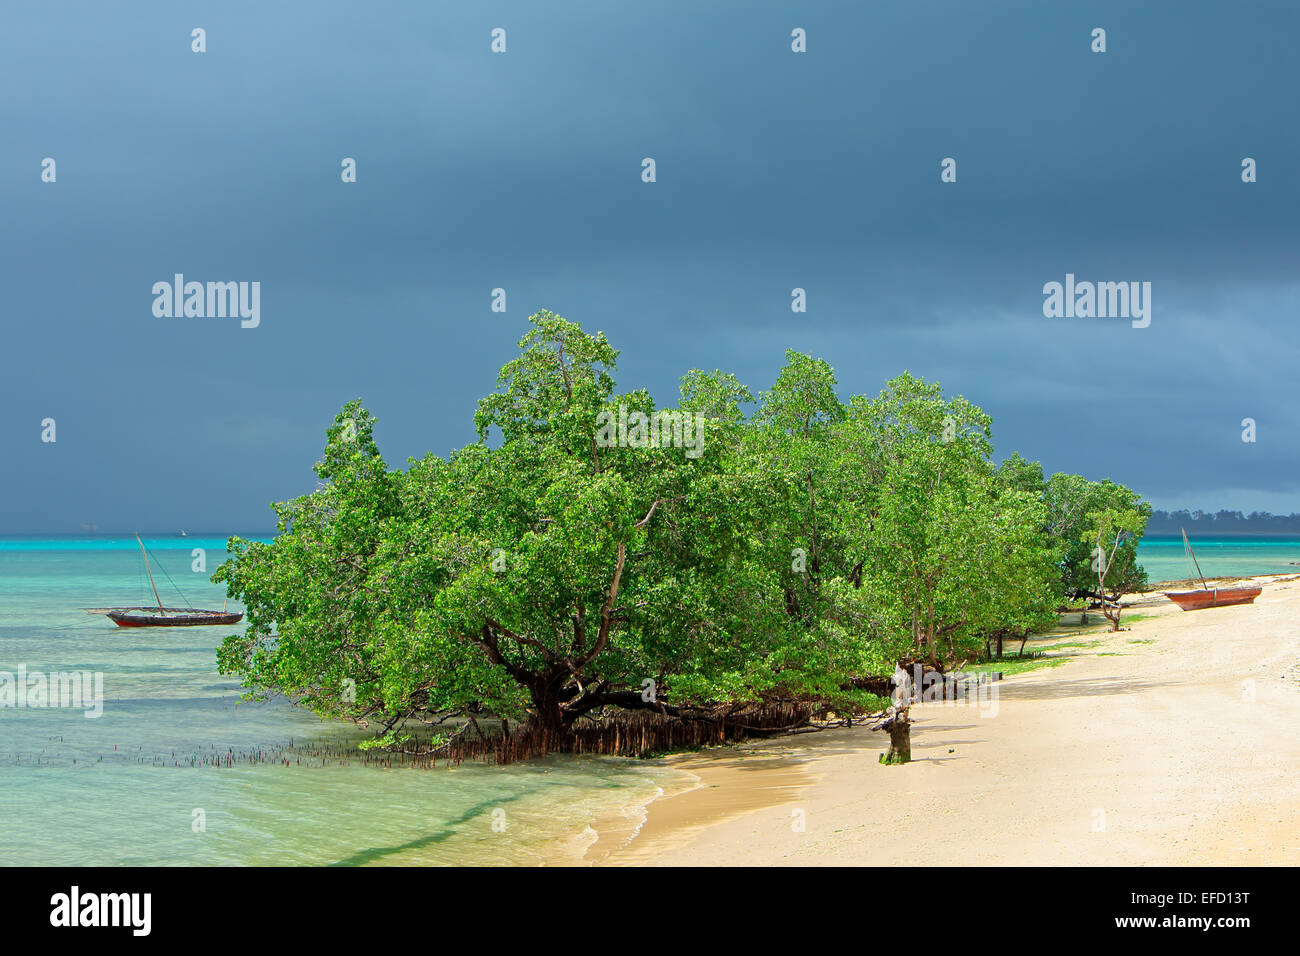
<point x="124" y="788"/>
<point x="1165" y="559"/>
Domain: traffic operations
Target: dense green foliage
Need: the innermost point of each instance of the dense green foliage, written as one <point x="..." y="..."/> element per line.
<point x="1099" y="525"/>
<point x="549" y="572"/>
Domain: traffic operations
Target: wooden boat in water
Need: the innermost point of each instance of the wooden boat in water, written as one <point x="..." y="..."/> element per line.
<point x="164" y="616"/>
<point x="1205" y="596"/>
<point x="170" y="617"/>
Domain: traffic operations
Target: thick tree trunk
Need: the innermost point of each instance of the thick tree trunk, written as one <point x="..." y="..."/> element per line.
<point x="548" y="713"/>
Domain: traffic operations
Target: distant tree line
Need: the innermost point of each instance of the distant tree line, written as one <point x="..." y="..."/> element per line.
<point x="1223" y="522"/>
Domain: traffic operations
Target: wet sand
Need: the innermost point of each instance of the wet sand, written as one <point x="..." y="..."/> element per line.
<point x="1174" y="741"/>
<point x="729" y="782"/>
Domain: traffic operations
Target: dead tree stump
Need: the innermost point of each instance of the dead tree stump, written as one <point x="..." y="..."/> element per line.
<point x="900" y="738"/>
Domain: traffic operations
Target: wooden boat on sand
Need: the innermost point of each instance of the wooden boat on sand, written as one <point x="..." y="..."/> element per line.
<point x="1205" y="596"/>
<point x="1214" y="597"/>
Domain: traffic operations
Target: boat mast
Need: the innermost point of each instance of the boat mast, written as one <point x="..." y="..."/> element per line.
<point x="155" y="587"/>
<point x="1192" y="554"/>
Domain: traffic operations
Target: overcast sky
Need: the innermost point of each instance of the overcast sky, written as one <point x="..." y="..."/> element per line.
<point x="522" y="170"/>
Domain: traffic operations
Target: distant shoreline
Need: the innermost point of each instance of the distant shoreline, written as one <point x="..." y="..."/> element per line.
<point x="1221" y="579"/>
<point x="1221" y="535"/>
<point x="79" y="535"/>
<point x="53" y="544"/>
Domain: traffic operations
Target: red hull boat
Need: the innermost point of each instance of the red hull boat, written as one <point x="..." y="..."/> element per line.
<point x="164" y="616"/>
<point x="1206" y="596"/>
<point x="1214" y="597"/>
<point x="170" y="617"/>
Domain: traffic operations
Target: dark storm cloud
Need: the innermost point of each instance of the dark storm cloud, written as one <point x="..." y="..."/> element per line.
<point x="775" y="170"/>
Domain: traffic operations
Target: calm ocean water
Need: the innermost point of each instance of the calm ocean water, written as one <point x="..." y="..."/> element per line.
<point x="1165" y="559"/>
<point x="123" y="788"/>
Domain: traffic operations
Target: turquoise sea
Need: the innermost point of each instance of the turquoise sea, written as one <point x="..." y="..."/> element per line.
<point x="174" y="741"/>
<point x="1166" y="560"/>
<point x="164" y="775"/>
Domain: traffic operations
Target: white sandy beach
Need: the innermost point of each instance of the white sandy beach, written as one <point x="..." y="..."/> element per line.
<point x="1174" y="741"/>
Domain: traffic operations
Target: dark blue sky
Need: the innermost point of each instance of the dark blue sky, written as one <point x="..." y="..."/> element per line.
<point x="775" y="170"/>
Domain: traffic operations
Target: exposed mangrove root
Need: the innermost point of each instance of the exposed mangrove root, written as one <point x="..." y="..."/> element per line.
<point x="634" y="735"/>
